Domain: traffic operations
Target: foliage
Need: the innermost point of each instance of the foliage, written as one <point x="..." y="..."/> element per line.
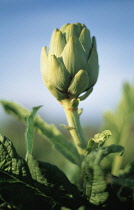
<point x="121" y="123"/>
<point x="48" y="131"/>
<point x="93" y="175"/>
<point x="32" y="184"/>
<point x="35" y="184"/>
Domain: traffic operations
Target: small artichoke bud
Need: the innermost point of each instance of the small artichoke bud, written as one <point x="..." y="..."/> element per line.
<point x="70" y="66"/>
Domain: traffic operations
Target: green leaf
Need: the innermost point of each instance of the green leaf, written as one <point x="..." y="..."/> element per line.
<point x="30" y="130"/>
<point x="53" y="178"/>
<point x="16" y="184"/>
<point x="48" y="131"/>
<point x="98" y="140"/>
<point x="27" y="186"/>
<point x="93" y="175"/>
<point x="10" y="160"/>
<point x="120" y="122"/>
<point x="22" y="195"/>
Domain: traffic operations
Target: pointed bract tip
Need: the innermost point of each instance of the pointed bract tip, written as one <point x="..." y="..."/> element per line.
<point x="94" y="45"/>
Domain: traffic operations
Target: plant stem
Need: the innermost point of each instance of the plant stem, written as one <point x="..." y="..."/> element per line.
<point x="74" y="126"/>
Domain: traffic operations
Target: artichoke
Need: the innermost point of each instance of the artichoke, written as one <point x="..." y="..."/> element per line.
<point x="70" y="67"/>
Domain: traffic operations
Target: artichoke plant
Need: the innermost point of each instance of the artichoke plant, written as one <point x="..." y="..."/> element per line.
<point x="70" y="67"/>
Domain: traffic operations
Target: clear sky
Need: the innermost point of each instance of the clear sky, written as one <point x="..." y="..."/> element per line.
<point x="26" y="26"/>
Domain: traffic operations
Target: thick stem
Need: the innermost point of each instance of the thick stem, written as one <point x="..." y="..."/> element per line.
<point x="71" y="111"/>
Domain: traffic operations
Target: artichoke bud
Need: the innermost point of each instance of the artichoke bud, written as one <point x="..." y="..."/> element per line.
<point x="70" y="67"/>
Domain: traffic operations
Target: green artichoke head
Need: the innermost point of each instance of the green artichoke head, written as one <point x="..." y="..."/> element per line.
<point x="70" y="66"/>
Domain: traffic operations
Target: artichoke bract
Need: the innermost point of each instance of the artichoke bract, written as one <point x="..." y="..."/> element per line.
<point x="70" y="67"/>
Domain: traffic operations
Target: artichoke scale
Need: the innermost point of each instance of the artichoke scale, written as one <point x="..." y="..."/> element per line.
<point x="92" y="67"/>
<point x="86" y="40"/>
<point x="57" y="74"/>
<point x="44" y="64"/>
<point x="79" y="83"/>
<point x="55" y="92"/>
<point x="57" y="43"/>
<point x="74" y="56"/>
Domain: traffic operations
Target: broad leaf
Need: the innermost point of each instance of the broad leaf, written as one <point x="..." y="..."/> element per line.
<point x="64" y="192"/>
<point x="10" y="162"/>
<point x="17" y="187"/>
<point x="22" y="195"/>
<point x="27" y="185"/>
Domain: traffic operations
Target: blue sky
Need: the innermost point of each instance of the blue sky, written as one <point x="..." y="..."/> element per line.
<point x="26" y="26"/>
